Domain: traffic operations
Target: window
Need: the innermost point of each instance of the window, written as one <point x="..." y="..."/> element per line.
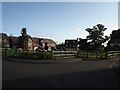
<point x="73" y="45"/>
<point x="67" y="41"/>
<point x="4" y="40"/>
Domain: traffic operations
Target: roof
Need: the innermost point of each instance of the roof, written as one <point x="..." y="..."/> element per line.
<point x="71" y="40"/>
<point x="3" y="35"/>
<point x="14" y="39"/>
<point x="49" y="41"/>
<point x="35" y="41"/>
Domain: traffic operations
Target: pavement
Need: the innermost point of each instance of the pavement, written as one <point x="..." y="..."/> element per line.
<point x="113" y="66"/>
<point x="45" y="61"/>
<point x="73" y="74"/>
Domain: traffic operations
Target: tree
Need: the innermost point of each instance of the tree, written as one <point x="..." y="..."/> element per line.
<point x="61" y="46"/>
<point x="40" y="43"/>
<point x="114" y="42"/>
<point x="46" y="46"/>
<point x="24" y="32"/>
<point x="20" y="41"/>
<point x="96" y="37"/>
<point x="83" y="45"/>
<point x="24" y="38"/>
<point x="115" y="35"/>
<point x="10" y="42"/>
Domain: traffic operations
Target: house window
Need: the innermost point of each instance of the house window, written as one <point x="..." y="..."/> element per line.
<point x="67" y="41"/>
<point x="4" y="40"/>
<point x="73" y="45"/>
<point x="73" y="41"/>
<point x="66" y="45"/>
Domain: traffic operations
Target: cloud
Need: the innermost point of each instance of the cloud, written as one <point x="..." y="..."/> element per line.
<point x="78" y="29"/>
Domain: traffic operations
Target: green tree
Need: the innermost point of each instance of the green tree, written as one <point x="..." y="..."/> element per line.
<point x="83" y="45"/>
<point x="115" y="36"/>
<point x="24" y="38"/>
<point x="96" y="37"/>
<point x="24" y="32"/>
<point x="20" y="41"/>
<point x="115" y="40"/>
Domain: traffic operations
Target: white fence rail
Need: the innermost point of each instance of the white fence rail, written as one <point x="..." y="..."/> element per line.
<point x="111" y="54"/>
<point x="64" y="54"/>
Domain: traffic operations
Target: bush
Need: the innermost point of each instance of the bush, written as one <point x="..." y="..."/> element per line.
<point x="35" y="55"/>
<point x="9" y="53"/>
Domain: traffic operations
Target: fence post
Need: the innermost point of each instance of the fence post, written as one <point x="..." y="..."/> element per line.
<point x="87" y="54"/>
<point x="106" y="55"/>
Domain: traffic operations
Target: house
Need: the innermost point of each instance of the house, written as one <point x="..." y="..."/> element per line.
<point x="71" y="44"/>
<point x="20" y="42"/>
<point x="29" y="43"/>
<point x="36" y="42"/>
<point x="48" y="44"/>
<point x="4" y="40"/>
<point x="13" y="40"/>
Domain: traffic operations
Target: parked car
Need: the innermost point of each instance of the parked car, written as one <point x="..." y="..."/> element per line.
<point x="39" y="49"/>
<point x="56" y="49"/>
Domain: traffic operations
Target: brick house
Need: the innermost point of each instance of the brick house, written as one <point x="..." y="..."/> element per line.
<point x="26" y="44"/>
<point x="36" y="43"/>
<point x="4" y="40"/>
<point x="13" y="40"/>
<point x="29" y="43"/>
<point x="48" y="44"/>
<point x="71" y="44"/>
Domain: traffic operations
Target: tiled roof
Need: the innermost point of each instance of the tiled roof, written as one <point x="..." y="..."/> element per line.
<point x="14" y="39"/>
<point x="49" y="41"/>
<point x="3" y="35"/>
<point x="35" y="41"/>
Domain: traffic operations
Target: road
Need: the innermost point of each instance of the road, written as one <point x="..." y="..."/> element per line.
<point x="84" y="74"/>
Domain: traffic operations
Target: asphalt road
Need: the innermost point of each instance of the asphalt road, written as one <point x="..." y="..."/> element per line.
<point x="84" y="74"/>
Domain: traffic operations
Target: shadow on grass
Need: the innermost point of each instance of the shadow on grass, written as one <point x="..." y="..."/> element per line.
<point x="86" y="79"/>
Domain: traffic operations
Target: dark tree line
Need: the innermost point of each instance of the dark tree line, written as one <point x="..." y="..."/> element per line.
<point x="95" y="40"/>
<point x="114" y="43"/>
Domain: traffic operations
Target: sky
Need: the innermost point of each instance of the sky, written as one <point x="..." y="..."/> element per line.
<point x="58" y="20"/>
<point x="0" y="16"/>
<point x="119" y="15"/>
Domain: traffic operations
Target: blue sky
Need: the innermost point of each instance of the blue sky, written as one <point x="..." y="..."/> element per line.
<point x="59" y="21"/>
<point x="119" y="14"/>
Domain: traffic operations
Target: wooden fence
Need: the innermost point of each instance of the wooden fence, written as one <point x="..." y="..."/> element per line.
<point x="90" y="55"/>
<point x="112" y="54"/>
<point x="64" y="54"/>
